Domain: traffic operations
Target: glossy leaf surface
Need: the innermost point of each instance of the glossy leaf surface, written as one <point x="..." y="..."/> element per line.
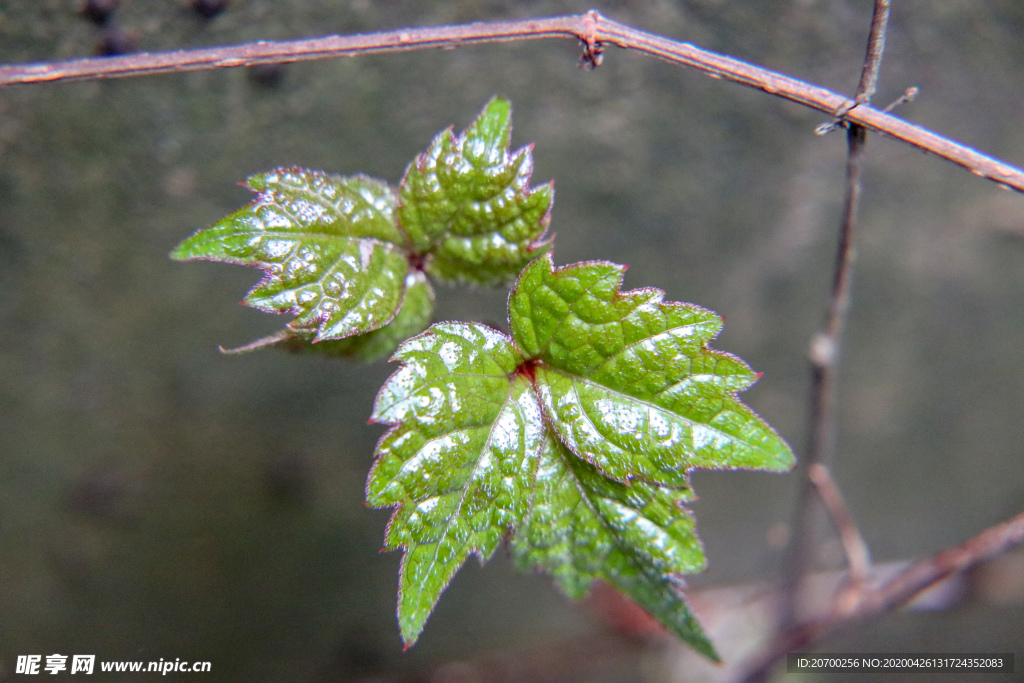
<point x="627" y="381"/>
<point x="583" y="526"/>
<point x="412" y="318"/>
<point x="328" y="245"/>
<point x="466" y="202"/>
<point x="575" y="435"/>
<point x="461" y="461"/>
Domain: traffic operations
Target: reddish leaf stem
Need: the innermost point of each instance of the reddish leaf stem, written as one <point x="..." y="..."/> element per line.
<point x="593" y="29"/>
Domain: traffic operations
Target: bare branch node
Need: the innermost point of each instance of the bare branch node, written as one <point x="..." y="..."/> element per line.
<point x="593" y="55"/>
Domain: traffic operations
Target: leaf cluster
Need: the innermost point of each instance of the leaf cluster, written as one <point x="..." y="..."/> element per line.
<point x="570" y="439"/>
<point x="351" y="257"/>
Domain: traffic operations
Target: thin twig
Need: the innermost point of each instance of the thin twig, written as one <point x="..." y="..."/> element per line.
<point x="908" y="584"/>
<point x="857" y="555"/>
<point x="825" y="346"/>
<point x="909" y="95"/>
<point x="593" y="29"/>
<point x="872" y="65"/>
<point x="873" y="59"/>
<point x="824" y="354"/>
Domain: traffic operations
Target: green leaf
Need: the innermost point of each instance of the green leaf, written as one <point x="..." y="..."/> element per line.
<point x="329" y="247"/>
<point x="461" y="460"/>
<point x="466" y="204"/>
<point x="626" y="379"/>
<point x="584" y="526"/>
<point x="470" y="458"/>
<point x="576" y="435"/>
<point x="411" y="319"/>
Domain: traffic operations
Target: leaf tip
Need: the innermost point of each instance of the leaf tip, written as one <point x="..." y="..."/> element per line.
<point x="182" y="252"/>
<point x="494" y="123"/>
<point x="782" y="460"/>
<point x="410" y="633"/>
<point x="498" y="106"/>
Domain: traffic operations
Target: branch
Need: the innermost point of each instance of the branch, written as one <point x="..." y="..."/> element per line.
<point x="825" y="347"/>
<point x="915" y="579"/>
<point x="592" y="28"/>
<point x="824" y="353"/>
<point x="873" y="59"/>
<point x="858" y="558"/>
<point x="824" y="356"/>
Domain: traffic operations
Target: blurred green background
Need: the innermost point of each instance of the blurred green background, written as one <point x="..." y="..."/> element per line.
<point x="161" y="500"/>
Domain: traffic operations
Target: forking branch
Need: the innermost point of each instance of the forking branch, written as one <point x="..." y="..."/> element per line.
<point x="857" y="602"/>
<point x="825" y="347"/>
<point x="872" y="602"/>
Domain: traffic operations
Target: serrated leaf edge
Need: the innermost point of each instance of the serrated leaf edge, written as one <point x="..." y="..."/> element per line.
<point x="458" y="141"/>
<point x="659" y="300"/>
<point x="410" y="638"/>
